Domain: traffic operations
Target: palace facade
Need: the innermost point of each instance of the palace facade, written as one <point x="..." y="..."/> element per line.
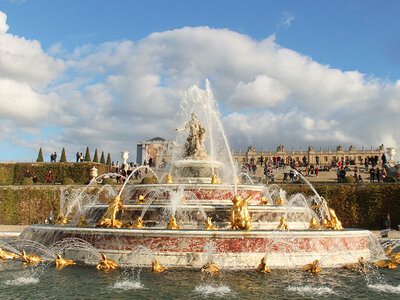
<point x="159" y="149"/>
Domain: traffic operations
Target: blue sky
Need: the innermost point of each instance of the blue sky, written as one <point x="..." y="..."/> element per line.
<point x="352" y="47"/>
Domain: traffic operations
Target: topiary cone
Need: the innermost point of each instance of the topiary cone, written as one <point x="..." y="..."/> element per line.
<point x="63" y="156"/>
<point x="96" y="157"/>
<point x="102" y="159"/>
<point x="109" y="159"/>
<point x="40" y="156"/>
<point x="87" y="154"/>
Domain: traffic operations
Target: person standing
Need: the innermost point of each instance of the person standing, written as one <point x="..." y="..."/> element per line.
<point x="378" y="175"/>
<point x="49" y="177"/>
<point x="77" y="156"/>
<point x="316" y="171"/>
<point x="372" y="175"/>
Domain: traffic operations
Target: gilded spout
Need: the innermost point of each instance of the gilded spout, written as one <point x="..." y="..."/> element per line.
<point x="156" y="267"/>
<point x="173" y="224"/>
<point x="210" y="225"/>
<point x="283" y="224"/>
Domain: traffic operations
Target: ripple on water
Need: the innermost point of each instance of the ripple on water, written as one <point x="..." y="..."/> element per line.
<point x="311" y="290"/>
<point x="22" y="281"/>
<point x="385" y="288"/>
<point x="215" y="290"/>
<point x="126" y="285"/>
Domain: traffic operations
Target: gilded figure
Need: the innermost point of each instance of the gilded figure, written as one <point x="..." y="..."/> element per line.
<point x="210" y="225"/>
<point x="312" y="268"/>
<point x="63" y="262"/>
<point x="141" y="200"/>
<point x="314" y="224"/>
<point x="31" y="258"/>
<point x="109" y="218"/>
<point x="156" y="267"/>
<point x="82" y="222"/>
<point x="240" y="215"/>
<point x="107" y="263"/>
<point x="210" y="268"/>
<point x="262" y="267"/>
<point x="7" y="255"/>
<point x="283" y="224"/>
<point x="173" y="224"/>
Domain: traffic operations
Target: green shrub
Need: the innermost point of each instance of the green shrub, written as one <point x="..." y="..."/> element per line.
<point x="147" y="180"/>
<point x="102" y="159"/>
<point x="68" y="181"/>
<point x="96" y="157"/>
<point x="108" y="181"/>
<point x="27" y="181"/>
<point x="40" y="156"/>
<point x="87" y="154"/>
<point x="63" y="156"/>
<point x="349" y="179"/>
<point x="108" y="159"/>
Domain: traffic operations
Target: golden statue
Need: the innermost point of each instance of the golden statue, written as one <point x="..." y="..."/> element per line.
<point x="156" y="267"/>
<point x="264" y="201"/>
<point x="141" y="200"/>
<point x="388" y="250"/>
<point x="82" y="222"/>
<point x="168" y="179"/>
<point x="312" y="268"/>
<point x="396" y="256"/>
<point x="215" y="179"/>
<point x="138" y="223"/>
<point x="314" y="224"/>
<point x="240" y="215"/>
<point x="173" y="224"/>
<point x="109" y="219"/>
<point x="61" y="220"/>
<point x="388" y="263"/>
<point x="281" y="201"/>
<point x="262" y="267"/>
<point x="361" y="265"/>
<point x="63" y="262"/>
<point x="210" y="225"/>
<point x="334" y="222"/>
<point x="282" y="224"/>
<point x="7" y="255"/>
<point x="31" y="258"/>
<point x="107" y="263"/>
<point x="210" y="268"/>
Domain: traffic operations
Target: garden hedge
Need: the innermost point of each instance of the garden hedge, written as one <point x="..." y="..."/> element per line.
<point x="13" y="173"/>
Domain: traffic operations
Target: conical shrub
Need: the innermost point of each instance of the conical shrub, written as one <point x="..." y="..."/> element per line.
<point x="102" y="158"/>
<point x="63" y="156"/>
<point x="40" y="156"/>
<point x="96" y="157"/>
<point x="87" y="154"/>
<point x="109" y="159"/>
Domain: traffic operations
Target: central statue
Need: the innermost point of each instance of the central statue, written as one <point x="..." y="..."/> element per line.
<point x="194" y="145"/>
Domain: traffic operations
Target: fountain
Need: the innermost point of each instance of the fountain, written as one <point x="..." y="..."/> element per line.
<point x="198" y="202"/>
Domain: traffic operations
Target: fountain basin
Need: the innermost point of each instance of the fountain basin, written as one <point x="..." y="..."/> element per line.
<point x="200" y="192"/>
<point x="193" y="217"/>
<point x="233" y="249"/>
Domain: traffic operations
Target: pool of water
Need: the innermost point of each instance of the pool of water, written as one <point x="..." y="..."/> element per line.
<point x="18" y="281"/>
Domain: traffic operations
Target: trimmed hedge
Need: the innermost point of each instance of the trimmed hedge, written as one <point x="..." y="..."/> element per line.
<point x="358" y="205"/>
<point x="13" y="173"/>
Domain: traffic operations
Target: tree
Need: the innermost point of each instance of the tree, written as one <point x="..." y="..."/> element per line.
<point x="96" y="157"/>
<point x="102" y="159"/>
<point x="40" y="156"/>
<point x="63" y="156"/>
<point x="87" y="154"/>
<point x="109" y="159"/>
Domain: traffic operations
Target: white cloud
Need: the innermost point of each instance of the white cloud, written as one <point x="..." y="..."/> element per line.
<point x="3" y="23"/>
<point x="287" y="19"/>
<point x="121" y="92"/>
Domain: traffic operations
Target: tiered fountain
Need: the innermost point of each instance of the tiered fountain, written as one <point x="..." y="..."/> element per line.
<point x="198" y="205"/>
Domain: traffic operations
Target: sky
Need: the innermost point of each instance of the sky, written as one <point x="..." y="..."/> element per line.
<point x="109" y="74"/>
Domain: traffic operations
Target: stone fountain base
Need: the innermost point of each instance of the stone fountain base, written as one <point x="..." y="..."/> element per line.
<point x="232" y="249"/>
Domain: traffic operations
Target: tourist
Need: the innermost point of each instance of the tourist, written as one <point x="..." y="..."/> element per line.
<point x="378" y="174"/>
<point x="28" y="174"/>
<point x="49" y="177"/>
<point x="383" y="158"/>
<point x="359" y="178"/>
<point x="51" y="157"/>
<point x="316" y="172"/>
<point x="50" y="217"/>
<point x="34" y="179"/>
<point x="81" y="158"/>
<point x="386" y="225"/>
<point x="55" y="156"/>
<point x="77" y="156"/>
<point x="372" y="175"/>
